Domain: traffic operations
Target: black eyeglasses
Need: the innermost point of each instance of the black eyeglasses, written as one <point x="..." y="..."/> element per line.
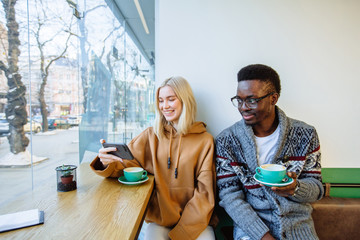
<point x="249" y="102"/>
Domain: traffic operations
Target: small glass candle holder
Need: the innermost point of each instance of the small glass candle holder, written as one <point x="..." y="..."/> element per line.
<point x="66" y="178"/>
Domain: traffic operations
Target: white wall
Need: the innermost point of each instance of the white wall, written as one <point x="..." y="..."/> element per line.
<point x="313" y="45"/>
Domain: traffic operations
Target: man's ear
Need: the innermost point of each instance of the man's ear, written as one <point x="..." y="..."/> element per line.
<point x="274" y="98"/>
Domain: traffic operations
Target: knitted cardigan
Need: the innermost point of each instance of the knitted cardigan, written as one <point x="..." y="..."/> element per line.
<point x="256" y="210"/>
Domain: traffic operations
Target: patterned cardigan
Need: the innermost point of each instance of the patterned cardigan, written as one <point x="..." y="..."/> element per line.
<point x="256" y="210"/>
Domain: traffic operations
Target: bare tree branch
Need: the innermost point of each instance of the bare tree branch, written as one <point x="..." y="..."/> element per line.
<point x="60" y="56"/>
<point x="107" y="37"/>
<point x="94" y="8"/>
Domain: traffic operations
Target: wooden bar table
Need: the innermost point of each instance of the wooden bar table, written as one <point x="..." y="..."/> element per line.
<point x="100" y="208"/>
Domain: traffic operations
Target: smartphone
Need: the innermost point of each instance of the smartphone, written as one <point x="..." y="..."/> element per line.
<point x="122" y="150"/>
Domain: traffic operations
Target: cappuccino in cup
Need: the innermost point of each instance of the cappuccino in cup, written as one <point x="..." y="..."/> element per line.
<point x="272" y="173"/>
<point x="135" y="174"/>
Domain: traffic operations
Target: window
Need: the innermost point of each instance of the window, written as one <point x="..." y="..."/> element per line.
<point x="90" y="79"/>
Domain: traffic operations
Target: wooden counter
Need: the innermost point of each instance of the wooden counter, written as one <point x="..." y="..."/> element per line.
<point x="100" y="208"/>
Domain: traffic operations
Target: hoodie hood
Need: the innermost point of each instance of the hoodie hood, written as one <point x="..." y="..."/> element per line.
<point x="197" y="127"/>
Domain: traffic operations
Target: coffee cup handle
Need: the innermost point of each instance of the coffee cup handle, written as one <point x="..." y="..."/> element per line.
<point x="144" y="174"/>
<point x="258" y="171"/>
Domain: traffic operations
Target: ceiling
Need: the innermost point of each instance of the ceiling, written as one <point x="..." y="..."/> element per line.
<point x="126" y="10"/>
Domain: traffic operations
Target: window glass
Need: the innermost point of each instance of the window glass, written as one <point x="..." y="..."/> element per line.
<point x="84" y="79"/>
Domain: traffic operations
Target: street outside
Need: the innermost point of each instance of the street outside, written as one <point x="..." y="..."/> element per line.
<point x="58" y="146"/>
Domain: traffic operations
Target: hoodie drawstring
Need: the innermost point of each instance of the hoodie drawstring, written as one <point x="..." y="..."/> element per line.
<point x="169" y="158"/>
<point x="178" y="157"/>
<point x="178" y="153"/>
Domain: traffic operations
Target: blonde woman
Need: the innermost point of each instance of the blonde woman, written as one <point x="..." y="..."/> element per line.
<point x="179" y="153"/>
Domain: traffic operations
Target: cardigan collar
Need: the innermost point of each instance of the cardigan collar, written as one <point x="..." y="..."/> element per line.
<point x="246" y="136"/>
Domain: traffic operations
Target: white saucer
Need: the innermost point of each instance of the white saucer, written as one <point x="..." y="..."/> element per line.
<point x="123" y="180"/>
<point x="258" y="178"/>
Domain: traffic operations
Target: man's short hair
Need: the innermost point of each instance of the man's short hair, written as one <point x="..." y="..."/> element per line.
<point x="260" y="72"/>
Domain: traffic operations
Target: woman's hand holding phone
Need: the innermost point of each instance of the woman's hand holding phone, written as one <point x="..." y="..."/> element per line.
<point x="105" y="156"/>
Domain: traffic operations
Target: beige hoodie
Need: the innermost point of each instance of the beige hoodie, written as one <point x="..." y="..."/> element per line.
<point x="184" y="203"/>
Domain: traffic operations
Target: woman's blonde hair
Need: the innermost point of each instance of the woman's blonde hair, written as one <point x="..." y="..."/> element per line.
<point x="184" y="93"/>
